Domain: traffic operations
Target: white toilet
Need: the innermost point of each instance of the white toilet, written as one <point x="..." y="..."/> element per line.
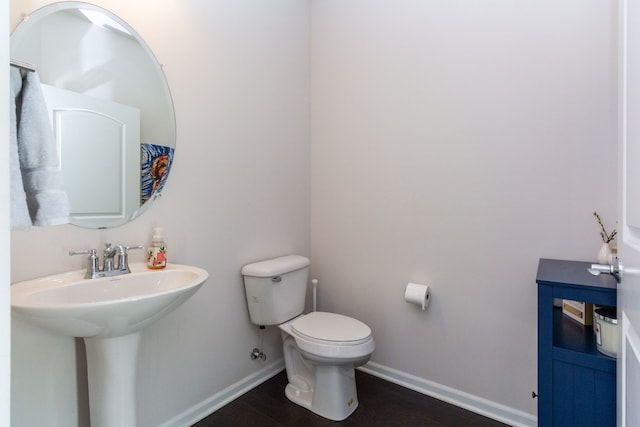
<point x="321" y="349"/>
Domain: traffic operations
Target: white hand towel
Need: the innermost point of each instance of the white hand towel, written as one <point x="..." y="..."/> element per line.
<point x="20" y="219"/>
<point x="42" y="179"/>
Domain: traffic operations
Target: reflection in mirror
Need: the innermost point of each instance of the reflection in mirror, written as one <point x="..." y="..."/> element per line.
<point x="110" y="108"/>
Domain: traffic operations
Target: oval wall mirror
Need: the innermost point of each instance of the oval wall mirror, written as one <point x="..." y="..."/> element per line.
<point x="110" y="108"/>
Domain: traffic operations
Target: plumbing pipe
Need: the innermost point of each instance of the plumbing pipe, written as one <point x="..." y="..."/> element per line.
<point x="314" y="282"/>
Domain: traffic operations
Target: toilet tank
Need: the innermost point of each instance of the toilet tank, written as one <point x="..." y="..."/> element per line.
<point x="276" y="289"/>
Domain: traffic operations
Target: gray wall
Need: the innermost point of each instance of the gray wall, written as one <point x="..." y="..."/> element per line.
<point x="454" y="144"/>
<point x="238" y="192"/>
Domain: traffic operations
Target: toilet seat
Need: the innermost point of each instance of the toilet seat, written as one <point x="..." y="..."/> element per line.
<point x="331" y="335"/>
<point x="331" y="328"/>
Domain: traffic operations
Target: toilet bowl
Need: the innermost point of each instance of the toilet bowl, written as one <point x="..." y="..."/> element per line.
<point x="321" y="351"/>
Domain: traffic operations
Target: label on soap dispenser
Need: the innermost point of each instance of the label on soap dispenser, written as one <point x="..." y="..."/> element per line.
<point x="157" y="257"/>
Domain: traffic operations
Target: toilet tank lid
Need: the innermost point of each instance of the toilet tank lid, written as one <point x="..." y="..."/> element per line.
<point x="275" y="266"/>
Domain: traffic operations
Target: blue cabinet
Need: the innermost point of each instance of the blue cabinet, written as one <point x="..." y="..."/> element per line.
<point x="576" y="383"/>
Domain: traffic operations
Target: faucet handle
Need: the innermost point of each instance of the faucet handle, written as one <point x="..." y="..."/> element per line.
<point x="125" y="249"/>
<point x="91" y="252"/>
<point x="92" y="268"/>
<point x="123" y="256"/>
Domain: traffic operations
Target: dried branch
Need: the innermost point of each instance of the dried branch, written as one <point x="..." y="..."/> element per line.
<point x="606" y="237"/>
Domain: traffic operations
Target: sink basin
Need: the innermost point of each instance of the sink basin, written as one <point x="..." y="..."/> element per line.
<point x="71" y="305"/>
<point x="109" y="314"/>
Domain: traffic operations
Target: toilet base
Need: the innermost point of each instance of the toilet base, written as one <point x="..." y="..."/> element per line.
<point x="334" y="393"/>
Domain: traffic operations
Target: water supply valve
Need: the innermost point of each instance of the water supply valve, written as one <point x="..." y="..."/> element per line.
<point x="257" y="354"/>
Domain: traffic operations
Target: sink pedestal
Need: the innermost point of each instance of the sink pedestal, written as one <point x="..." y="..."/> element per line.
<point x="111" y="371"/>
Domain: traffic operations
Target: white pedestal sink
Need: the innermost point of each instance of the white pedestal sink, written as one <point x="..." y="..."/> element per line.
<point x="109" y="314"/>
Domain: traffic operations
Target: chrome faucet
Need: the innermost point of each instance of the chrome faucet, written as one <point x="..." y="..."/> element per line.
<point x="109" y="268"/>
<point x="108" y="253"/>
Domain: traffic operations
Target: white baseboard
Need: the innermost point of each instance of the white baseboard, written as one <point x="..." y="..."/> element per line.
<point x="459" y="398"/>
<point x="218" y="400"/>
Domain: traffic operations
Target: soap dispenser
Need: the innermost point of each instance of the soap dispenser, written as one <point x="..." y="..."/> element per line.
<point x="157" y="253"/>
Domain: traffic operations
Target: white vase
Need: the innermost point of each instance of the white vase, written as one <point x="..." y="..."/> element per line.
<point x="604" y="254"/>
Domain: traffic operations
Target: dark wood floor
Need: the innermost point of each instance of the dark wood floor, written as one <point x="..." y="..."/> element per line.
<point x="382" y="403"/>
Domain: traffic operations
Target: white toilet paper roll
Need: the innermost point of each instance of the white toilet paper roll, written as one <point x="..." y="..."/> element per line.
<point x="417" y="294"/>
